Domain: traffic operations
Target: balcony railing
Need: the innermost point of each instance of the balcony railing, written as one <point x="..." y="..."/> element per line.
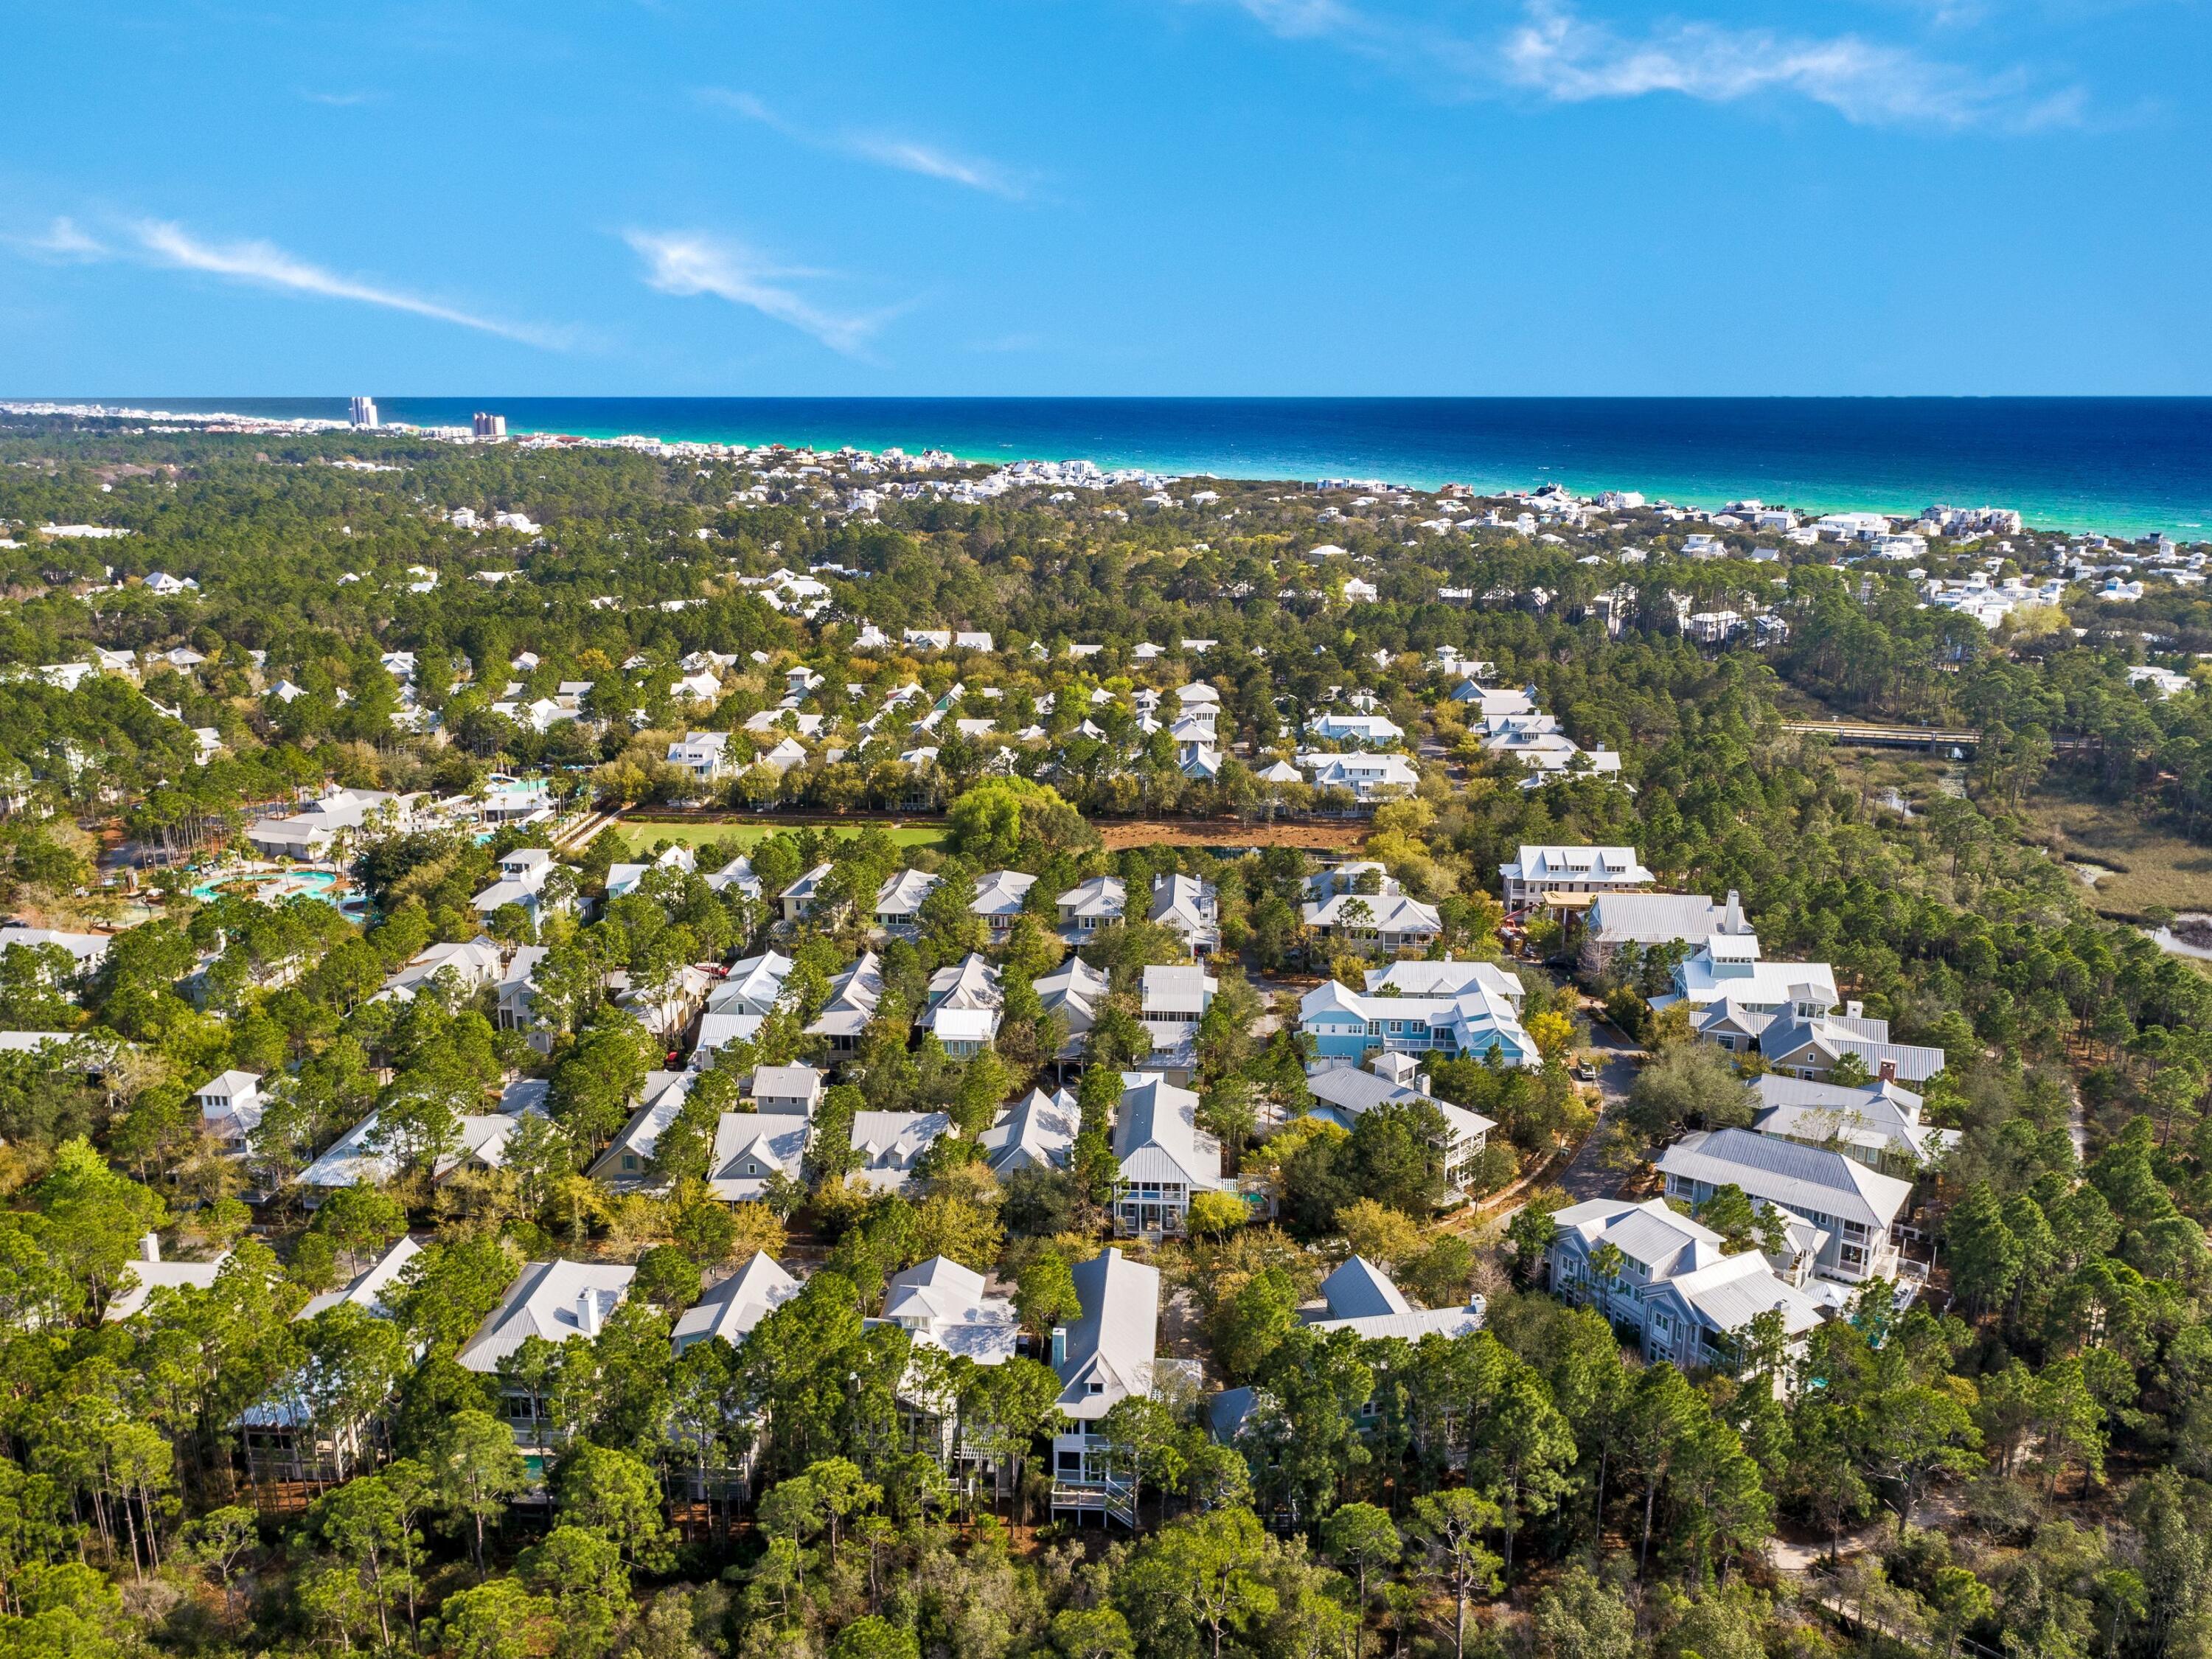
<point x="1105" y="1496"/>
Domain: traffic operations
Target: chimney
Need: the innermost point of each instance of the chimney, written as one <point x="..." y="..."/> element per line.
<point x="1422" y="1083"/>
<point x="1059" y="1346"/>
<point x="587" y="1312"/>
<point x="1888" y="1072"/>
<point x="149" y="1247"/>
<point x="1854" y="1010"/>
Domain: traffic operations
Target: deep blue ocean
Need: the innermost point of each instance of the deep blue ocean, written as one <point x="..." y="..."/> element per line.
<point x="2120" y="465"/>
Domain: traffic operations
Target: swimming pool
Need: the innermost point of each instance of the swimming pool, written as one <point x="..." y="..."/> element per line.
<point x="275" y="886"/>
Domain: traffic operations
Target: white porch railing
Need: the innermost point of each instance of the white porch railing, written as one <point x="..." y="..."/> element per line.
<point x="1107" y="1497"/>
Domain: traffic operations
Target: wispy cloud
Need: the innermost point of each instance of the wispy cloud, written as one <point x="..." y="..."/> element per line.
<point x="1295" y="20"/>
<point x="343" y="100"/>
<point x="64" y="239"/>
<point x="170" y="246"/>
<point x="696" y="262"/>
<point x="886" y="149"/>
<point x="908" y="156"/>
<point x="1557" y="54"/>
<point x="1562" y="56"/>
<point x="263" y="265"/>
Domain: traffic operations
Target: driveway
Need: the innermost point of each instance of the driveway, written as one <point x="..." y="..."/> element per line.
<point x="1584" y="1178"/>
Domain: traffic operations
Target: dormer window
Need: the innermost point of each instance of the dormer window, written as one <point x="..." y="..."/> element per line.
<point x="1098" y="1388"/>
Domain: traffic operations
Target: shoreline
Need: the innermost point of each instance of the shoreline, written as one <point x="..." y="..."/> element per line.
<point x="1306" y="440"/>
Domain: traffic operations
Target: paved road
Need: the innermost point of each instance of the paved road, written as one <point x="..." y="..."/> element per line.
<point x="1584" y="1178"/>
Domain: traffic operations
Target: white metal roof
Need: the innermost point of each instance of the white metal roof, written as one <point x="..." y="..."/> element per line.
<point x="545" y="1302"/>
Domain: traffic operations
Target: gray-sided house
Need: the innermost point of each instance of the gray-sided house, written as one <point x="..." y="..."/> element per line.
<point x="1675" y="1288"/>
<point x="1854" y="1206"/>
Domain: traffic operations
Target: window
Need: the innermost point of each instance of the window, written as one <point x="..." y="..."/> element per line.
<point x="629" y="1161"/>
<point x="1098" y="1388"/>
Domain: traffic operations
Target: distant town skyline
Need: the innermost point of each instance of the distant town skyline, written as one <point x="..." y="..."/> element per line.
<point x="1166" y="196"/>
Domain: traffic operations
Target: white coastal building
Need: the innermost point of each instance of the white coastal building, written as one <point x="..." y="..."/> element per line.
<point x="1570" y="871"/>
<point x="1164" y="1158"/>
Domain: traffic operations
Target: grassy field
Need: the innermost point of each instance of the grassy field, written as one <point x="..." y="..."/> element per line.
<point x="2149" y="866"/>
<point x="643" y="836"/>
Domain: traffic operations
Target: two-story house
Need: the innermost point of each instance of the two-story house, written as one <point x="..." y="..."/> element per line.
<point x="1343" y="1094"/>
<point x="1856" y="1207"/>
<point x="1347" y="1025"/>
<point x="898" y="901"/>
<point x="1189" y="908"/>
<point x="524" y="874"/>
<point x="1110" y="1354"/>
<point x="786" y="1088"/>
<point x="1570" y="871"/>
<point x="1074" y="990"/>
<point x="854" y="995"/>
<point x="798" y="899"/>
<point x="1673" y="1284"/>
<point x="704" y="755"/>
<point x="1172" y="1002"/>
<point x="1877" y="1123"/>
<point x="1091" y="904"/>
<point x="1374" y="922"/>
<point x="1728" y="968"/>
<point x="891" y="1146"/>
<point x="1000" y="896"/>
<point x="966" y="1003"/>
<point x="1651" y="921"/>
<point x="943" y="1305"/>
<point x="1037" y="1132"/>
<point x="737" y="1005"/>
<point x="308" y="1428"/>
<point x="231" y="1107"/>
<point x="752" y="1149"/>
<point x="1165" y="1157"/>
<point x="560" y="1301"/>
<point x="1810" y="1047"/>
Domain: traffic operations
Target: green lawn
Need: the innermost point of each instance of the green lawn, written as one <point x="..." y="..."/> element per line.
<point x="643" y="836"/>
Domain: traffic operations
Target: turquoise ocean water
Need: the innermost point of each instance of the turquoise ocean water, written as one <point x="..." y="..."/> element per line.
<point x="2119" y="465"/>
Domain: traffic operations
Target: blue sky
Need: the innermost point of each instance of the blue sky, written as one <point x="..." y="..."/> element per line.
<point x="1359" y="196"/>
